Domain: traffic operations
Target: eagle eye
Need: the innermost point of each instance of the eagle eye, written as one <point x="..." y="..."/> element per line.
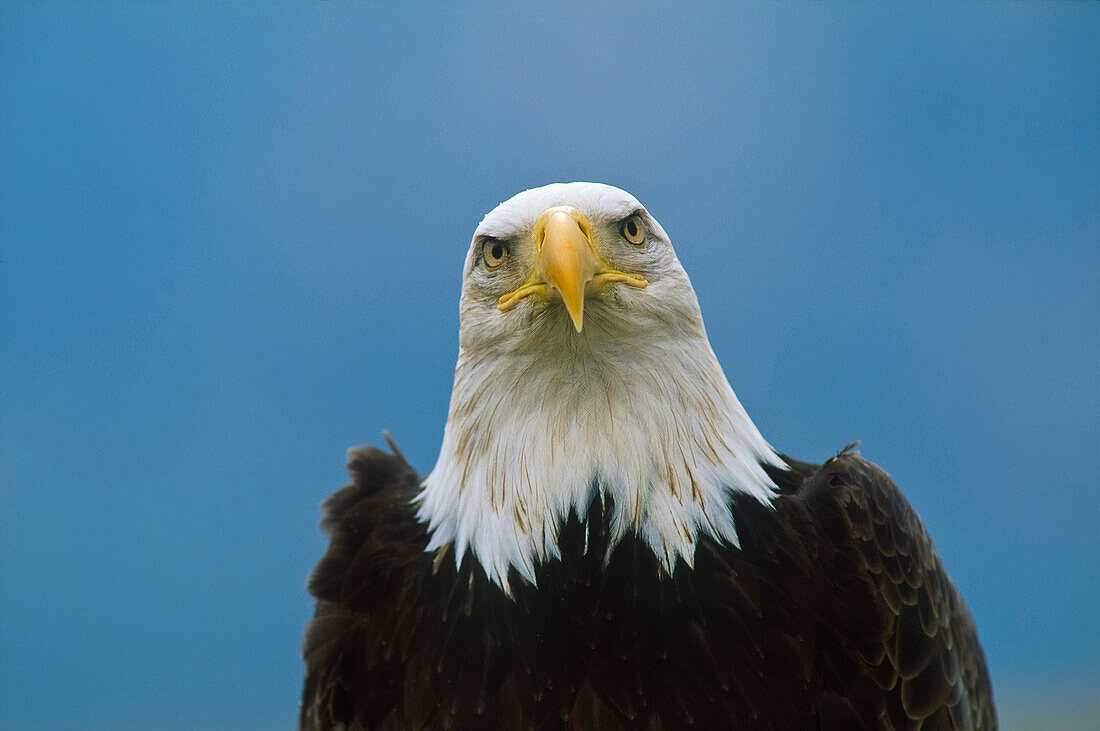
<point x="494" y="252"/>
<point x="633" y="230"/>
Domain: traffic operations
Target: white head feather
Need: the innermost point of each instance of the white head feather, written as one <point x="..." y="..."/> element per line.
<point x="542" y="416"/>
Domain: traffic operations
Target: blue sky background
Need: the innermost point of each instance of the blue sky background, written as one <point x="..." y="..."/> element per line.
<point x="231" y="237"/>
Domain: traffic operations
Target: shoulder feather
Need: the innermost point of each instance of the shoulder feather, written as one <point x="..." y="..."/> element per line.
<point x="375" y="555"/>
<point x="915" y="637"/>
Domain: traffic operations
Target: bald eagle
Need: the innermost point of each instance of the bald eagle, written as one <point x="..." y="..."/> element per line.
<point x="607" y="541"/>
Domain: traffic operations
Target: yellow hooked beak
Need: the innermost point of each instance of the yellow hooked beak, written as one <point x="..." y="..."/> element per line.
<point x="567" y="265"/>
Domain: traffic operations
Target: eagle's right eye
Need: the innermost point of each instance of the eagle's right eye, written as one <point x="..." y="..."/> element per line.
<point x="494" y="253"/>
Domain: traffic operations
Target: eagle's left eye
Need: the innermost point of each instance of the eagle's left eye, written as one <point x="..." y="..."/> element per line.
<point x="633" y="230"/>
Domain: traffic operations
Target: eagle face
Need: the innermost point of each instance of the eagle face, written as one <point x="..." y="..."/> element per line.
<point x="584" y="369"/>
<point x="574" y="266"/>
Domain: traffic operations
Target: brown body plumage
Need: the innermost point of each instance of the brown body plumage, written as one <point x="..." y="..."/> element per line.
<point x="835" y="613"/>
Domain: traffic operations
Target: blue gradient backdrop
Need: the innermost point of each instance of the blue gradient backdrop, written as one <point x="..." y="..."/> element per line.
<point x="231" y="237"/>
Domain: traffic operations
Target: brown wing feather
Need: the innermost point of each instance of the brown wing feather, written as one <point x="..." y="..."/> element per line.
<point x="350" y="641"/>
<point x="919" y="643"/>
<point x="835" y="613"/>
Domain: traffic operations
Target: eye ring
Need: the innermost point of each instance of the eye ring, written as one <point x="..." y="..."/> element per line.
<point x="494" y="252"/>
<point x="633" y="230"/>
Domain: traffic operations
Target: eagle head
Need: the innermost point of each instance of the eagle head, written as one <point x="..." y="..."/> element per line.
<point x="584" y="369"/>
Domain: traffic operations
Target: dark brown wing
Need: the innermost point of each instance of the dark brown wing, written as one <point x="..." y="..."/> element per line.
<point x="913" y="635"/>
<point x="376" y="551"/>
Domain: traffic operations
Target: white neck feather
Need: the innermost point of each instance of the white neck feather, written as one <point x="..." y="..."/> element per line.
<point x="538" y="423"/>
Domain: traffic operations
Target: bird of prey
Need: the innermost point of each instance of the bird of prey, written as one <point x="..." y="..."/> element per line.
<point x="607" y="541"/>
